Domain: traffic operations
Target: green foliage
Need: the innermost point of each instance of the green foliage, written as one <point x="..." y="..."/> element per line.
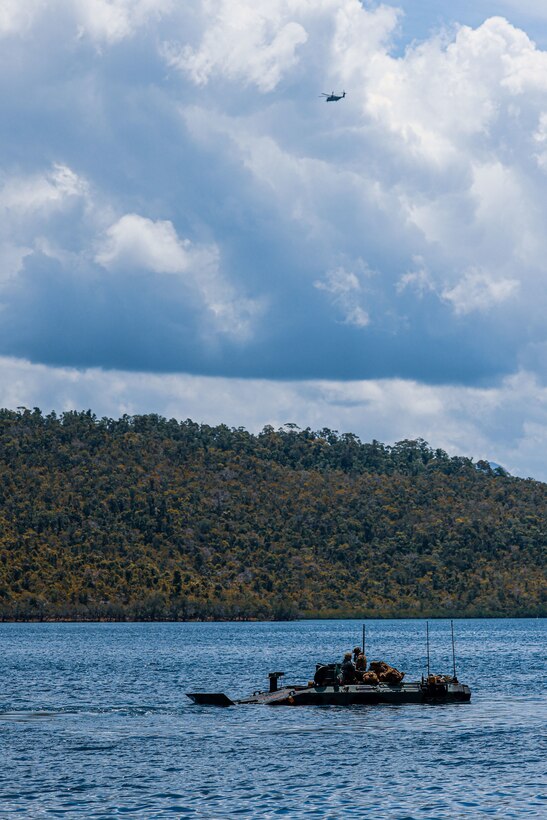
<point x="147" y="518"/>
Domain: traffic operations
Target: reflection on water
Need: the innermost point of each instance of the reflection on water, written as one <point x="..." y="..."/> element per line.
<point x="94" y="723"/>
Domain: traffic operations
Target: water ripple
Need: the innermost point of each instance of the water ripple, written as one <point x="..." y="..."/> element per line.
<point x="94" y="724"/>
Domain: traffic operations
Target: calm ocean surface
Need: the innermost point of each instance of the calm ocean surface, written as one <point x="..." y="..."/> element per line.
<point x="94" y="723"/>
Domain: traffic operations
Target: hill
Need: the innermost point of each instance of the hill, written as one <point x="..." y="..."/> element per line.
<point x="148" y="518"/>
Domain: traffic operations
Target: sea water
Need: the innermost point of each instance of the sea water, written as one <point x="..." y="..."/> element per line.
<point x="94" y="722"/>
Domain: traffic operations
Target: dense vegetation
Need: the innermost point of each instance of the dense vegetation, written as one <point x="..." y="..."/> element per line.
<point x="145" y="518"/>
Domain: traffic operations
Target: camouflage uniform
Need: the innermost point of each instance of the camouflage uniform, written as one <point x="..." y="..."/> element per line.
<point x="361" y="663"/>
<point x="348" y="669"/>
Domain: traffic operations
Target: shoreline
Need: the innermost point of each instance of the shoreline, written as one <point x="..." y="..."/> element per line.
<point x="367" y="618"/>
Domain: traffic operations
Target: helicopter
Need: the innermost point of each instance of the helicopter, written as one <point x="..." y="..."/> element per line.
<point x="332" y="97"/>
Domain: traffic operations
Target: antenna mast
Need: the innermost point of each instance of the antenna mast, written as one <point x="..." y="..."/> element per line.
<point x="427" y="644"/>
<point x="453" y="650"/>
<point x="364" y="635"/>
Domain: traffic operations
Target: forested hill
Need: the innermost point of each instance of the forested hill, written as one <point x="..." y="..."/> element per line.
<point x="145" y="518"/>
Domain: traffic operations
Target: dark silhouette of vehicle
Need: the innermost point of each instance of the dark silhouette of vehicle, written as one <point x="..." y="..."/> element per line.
<point x="332" y="97"/>
<point x="326" y="690"/>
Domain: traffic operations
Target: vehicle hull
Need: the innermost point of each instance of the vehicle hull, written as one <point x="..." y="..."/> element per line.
<point x="355" y="694"/>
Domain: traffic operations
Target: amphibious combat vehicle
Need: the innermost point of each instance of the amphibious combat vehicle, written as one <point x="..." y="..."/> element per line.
<point x="329" y="689"/>
<point x="335" y="694"/>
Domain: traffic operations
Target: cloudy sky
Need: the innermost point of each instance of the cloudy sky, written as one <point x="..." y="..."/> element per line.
<point x="187" y="228"/>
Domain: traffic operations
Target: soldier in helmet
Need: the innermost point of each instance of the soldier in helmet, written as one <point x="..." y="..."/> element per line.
<point x="356" y="652"/>
<point x="361" y="663"/>
<point x="348" y="669"/>
<point x="360" y="666"/>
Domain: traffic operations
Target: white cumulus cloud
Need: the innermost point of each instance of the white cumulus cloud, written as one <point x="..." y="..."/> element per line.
<point x="49" y="190"/>
<point x="103" y="21"/>
<point x="254" y="41"/>
<point x="17" y="16"/>
<point x="259" y="42"/>
<point x="114" y="20"/>
<point x="345" y="290"/>
<point x="479" y="291"/>
<point x="135" y="242"/>
<point x="28" y="203"/>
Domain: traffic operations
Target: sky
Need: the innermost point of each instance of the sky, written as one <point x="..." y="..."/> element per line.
<point x="187" y="228"/>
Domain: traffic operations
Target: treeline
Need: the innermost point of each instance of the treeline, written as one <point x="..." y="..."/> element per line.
<point x="145" y="518"/>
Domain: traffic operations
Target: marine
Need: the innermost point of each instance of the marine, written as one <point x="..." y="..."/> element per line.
<point x="361" y="663"/>
<point x="348" y="669"/>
